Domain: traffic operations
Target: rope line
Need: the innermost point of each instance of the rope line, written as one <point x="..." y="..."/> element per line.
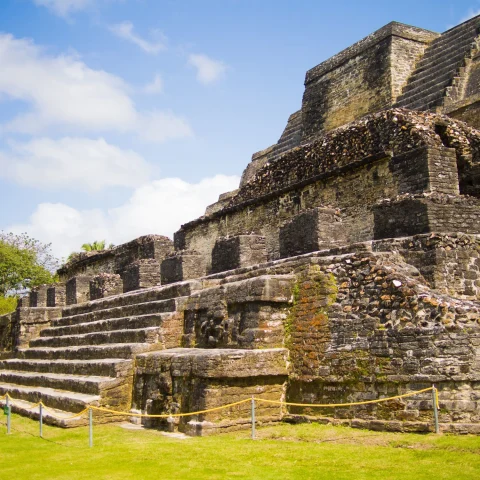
<point x="253" y="398"/>
<point x="345" y="404"/>
<point x="168" y="415"/>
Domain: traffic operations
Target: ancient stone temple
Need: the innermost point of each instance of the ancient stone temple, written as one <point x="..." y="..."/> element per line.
<point x="345" y="267"/>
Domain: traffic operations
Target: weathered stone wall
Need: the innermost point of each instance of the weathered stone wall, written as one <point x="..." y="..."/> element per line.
<point x="382" y="156"/>
<point x="77" y="289"/>
<point x="105" y="285"/>
<point x="29" y="322"/>
<point x="448" y="262"/>
<point x="238" y="251"/>
<point x="7" y="340"/>
<point x="56" y="295"/>
<point x="416" y="214"/>
<point x="115" y="260"/>
<point x="364" y="78"/>
<point x="164" y="383"/>
<point x="245" y="314"/>
<point x="38" y="296"/>
<point x="141" y="274"/>
<point x="365" y="325"/>
<point x="182" y="265"/>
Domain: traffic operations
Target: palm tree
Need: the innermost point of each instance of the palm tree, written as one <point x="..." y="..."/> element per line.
<point x="94" y="246"/>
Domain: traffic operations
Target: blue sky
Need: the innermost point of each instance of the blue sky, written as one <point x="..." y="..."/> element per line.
<point x="125" y="117"/>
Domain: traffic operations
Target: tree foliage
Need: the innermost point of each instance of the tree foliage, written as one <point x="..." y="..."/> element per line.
<point x="95" y="246"/>
<point x="7" y="304"/>
<point x="24" y="263"/>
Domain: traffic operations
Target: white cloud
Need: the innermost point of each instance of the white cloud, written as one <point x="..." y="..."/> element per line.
<point x="155" y="86"/>
<point x="73" y="163"/>
<point x="125" y="30"/>
<point x="208" y="70"/>
<point x="159" y="126"/>
<point x="65" y="93"/>
<point x="63" y="8"/>
<point x="159" y="207"/>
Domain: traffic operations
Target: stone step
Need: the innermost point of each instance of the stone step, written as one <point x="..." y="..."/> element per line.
<point x="87" y="384"/>
<point x="456" y="34"/>
<point x="439" y="69"/>
<point x="434" y="74"/>
<point x="426" y="102"/>
<point x="291" y="130"/>
<point x="436" y="89"/>
<point x="291" y="137"/>
<point x="108" y="367"/>
<point x="158" y="306"/>
<point x="423" y="82"/>
<point x="111" y="324"/>
<point x="61" y="399"/>
<point x="446" y="46"/>
<point x="90" y="352"/>
<point x="142" y="335"/>
<point x="166" y="292"/>
<point x="51" y="416"/>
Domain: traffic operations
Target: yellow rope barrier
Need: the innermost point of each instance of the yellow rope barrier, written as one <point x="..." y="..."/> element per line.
<point x="344" y="404"/>
<point x="52" y="413"/>
<point x="169" y="415"/>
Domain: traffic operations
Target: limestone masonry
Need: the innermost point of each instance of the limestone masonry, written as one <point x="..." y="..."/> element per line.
<point x="345" y="267"/>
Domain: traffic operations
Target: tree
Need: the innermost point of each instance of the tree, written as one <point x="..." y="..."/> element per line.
<point x="94" y="246"/>
<point x="24" y="263"/>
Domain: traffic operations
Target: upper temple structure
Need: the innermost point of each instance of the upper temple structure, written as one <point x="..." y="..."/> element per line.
<point x="345" y="268"/>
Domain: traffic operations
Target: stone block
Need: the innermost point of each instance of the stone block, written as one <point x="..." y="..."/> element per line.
<point x="24" y="301"/>
<point x="105" y="285"/>
<point x="315" y="229"/>
<point x="141" y="274"/>
<point x="415" y="215"/>
<point x="238" y="251"/>
<point x="38" y="296"/>
<point x="426" y="169"/>
<point x="188" y="380"/>
<point x="56" y="295"/>
<point x="155" y="247"/>
<point x="184" y="265"/>
<point x="30" y="322"/>
<point x="78" y="289"/>
<point x="248" y="314"/>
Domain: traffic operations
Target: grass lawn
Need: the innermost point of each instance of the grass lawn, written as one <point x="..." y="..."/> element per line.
<point x="280" y="452"/>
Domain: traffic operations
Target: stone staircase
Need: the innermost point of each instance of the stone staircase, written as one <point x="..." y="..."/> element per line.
<point x="86" y="357"/>
<point x="291" y="136"/>
<point x="426" y="87"/>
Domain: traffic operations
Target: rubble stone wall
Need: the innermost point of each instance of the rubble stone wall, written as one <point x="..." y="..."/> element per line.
<point x="275" y="194"/>
<point x="367" y="324"/>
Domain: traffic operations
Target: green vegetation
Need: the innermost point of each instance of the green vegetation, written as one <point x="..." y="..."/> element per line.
<point x="95" y="246"/>
<point x="7" y="304"/>
<point x="24" y="263"/>
<point x="281" y="452"/>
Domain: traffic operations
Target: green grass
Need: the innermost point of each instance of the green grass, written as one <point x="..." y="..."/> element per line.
<point x="280" y="452"/>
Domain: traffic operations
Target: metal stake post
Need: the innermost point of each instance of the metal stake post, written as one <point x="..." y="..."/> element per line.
<point x="9" y="412"/>
<point x="90" y="429"/>
<point x="253" y="417"/>
<point x="41" y="420"/>
<point x="435" y="408"/>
